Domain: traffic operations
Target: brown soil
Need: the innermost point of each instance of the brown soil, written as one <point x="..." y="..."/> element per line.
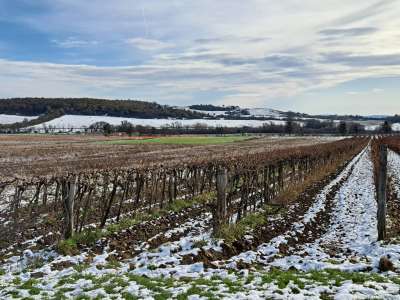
<point x="125" y="242"/>
<point x="26" y="156"/>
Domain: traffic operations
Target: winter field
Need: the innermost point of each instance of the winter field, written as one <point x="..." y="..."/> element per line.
<point x="67" y="122"/>
<point x="10" y="119"/>
<point x="88" y="217"/>
<point x="73" y="123"/>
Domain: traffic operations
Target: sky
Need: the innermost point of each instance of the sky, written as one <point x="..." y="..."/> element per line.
<point x="313" y="56"/>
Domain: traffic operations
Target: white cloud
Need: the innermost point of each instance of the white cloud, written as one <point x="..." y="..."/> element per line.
<point x="248" y="52"/>
<point x="148" y="44"/>
<point x="73" y="42"/>
<point x="372" y="91"/>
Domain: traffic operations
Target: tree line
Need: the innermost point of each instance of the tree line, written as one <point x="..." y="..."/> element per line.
<point x="210" y="107"/>
<point x="289" y="127"/>
<point x="95" y="107"/>
<point x="175" y="127"/>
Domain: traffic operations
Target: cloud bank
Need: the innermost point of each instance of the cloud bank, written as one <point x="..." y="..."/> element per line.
<point x="284" y="54"/>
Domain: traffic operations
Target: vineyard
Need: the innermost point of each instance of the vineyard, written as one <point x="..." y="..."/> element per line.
<point x="263" y="217"/>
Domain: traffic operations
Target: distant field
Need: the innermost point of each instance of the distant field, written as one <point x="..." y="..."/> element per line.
<point x="67" y="122"/>
<point x="183" y="140"/>
<point x="37" y="155"/>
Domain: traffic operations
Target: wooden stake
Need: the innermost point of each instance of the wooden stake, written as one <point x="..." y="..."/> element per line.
<point x="220" y="208"/>
<point x="68" y="201"/>
<point x="381" y="192"/>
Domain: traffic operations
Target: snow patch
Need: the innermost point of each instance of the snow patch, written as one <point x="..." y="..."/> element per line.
<point x="10" y="119"/>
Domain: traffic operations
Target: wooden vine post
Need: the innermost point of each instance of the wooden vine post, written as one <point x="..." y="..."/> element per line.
<point x="69" y="191"/>
<point x="381" y="192"/>
<point x="220" y="212"/>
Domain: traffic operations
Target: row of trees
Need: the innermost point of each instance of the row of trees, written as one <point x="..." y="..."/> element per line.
<point x="345" y="128"/>
<point x="289" y="127"/>
<point x="210" y="107"/>
<point x="394" y="119"/>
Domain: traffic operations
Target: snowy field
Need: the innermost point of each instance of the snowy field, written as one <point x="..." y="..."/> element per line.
<point x="374" y="125"/>
<point x="75" y="121"/>
<point x="253" y="112"/>
<point x="330" y="252"/>
<point x="10" y="119"/>
<point x="78" y="121"/>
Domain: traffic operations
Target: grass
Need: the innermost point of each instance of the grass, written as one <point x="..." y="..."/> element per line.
<point x="233" y="232"/>
<point x="275" y="280"/>
<point x="200" y="243"/>
<point x="81" y="267"/>
<point x="153" y="285"/>
<point x="283" y="278"/>
<point x="128" y="296"/>
<point x="182" y="140"/>
<point x="328" y="277"/>
<point x="29" y="285"/>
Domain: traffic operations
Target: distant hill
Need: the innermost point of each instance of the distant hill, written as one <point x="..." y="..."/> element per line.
<point x="94" y="107"/>
<point x="210" y="107"/>
<point x="31" y="112"/>
<point x="236" y="112"/>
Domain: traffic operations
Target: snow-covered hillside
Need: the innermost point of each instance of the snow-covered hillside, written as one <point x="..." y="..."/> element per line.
<point x="274" y="117"/>
<point x="265" y="112"/>
<point x="213" y="113"/>
<point x="242" y="112"/>
<point x="10" y="119"/>
<point x="76" y="121"/>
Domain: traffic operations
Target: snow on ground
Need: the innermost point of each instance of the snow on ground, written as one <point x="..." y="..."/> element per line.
<point x="372" y="127"/>
<point x="265" y="112"/>
<point x="10" y="119"/>
<point x="68" y="122"/>
<point x="213" y="113"/>
<point x="252" y="112"/>
<point x="311" y="271"/>
<point x="352" y="233"/>
<point x="270" y="249"/>
<point x="169" y="255"/>
<point x="77" y="121"/>
<point x="350" y="243"/>
<point x="396" y="126"/>
<point x="375" y="125"/>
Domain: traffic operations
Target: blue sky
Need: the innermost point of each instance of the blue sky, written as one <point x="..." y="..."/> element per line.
<point x="331" y="56"/>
